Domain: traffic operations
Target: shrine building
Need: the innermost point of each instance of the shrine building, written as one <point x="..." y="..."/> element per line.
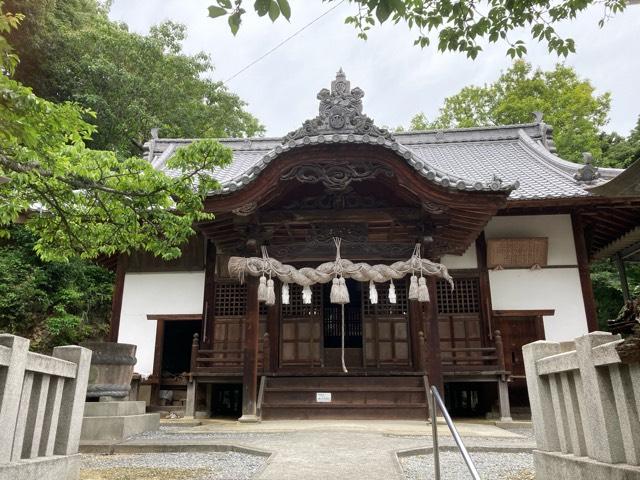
<point x="515" y="225"/>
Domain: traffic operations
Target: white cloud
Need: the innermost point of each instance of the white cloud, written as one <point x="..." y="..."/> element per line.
<point x="399" y="79"/>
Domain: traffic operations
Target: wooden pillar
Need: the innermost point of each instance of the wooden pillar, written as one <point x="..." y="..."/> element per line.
<point x="503" y="386"/>
<point x="622" y="273"/>
<point x="116" y="299"/>
<point x="582" y="255"/>
<point x="416" y="328"/>
<point x="250" y="354"/>
<point x="209" y="298"/>
<point x="486" y="309"/>
<point x="156" y="376"/>
<point x="273" y="329"/>
<point x="433" y="338"/>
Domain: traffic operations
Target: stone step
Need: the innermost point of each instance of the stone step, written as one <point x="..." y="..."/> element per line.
<point x="106" y="409"/>
<point x="118" y="428"/>
<point x="410" y="411"/>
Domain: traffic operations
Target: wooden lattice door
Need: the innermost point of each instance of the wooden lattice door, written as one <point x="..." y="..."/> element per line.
<point x="301" y="335"/>
<point x="230" y="323"/>
<point x="459" y="317"/>
<point x="386" y="327"/>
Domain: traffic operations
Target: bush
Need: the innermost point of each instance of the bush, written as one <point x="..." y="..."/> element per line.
<point x="51" y="303"/>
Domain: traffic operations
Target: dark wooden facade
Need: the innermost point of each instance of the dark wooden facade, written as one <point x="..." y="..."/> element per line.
<point x="295" y="207"/>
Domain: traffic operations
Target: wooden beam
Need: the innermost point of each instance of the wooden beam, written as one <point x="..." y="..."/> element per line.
<point x="622" y="272"/>
<point x="116" y="300"/>
<point x="163" y="317"/>
<point x="273" y="329"/>
<point x="333" y="216"/>
<point x="584" y="272"/>
<point x="433" y="337"/>
<point x="157" y="362"/>
<point x="250" y="354"/>
<point x="209" y="297"/>
<point x="485" y="288"/>
<point x="524" y="313"/>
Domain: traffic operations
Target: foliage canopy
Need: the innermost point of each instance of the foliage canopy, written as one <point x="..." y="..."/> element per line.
<point x="454" y="26"/>
<point x="568" y="102"/>
<point x="71" y="51"/>
<point x="79" y="201"/>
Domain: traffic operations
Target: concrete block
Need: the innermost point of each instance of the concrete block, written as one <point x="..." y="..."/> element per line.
<point x="58" y="467"/>
<point x="118" y="428"/>
<point x="113" y="409"/>
<point x="551" y="465"/>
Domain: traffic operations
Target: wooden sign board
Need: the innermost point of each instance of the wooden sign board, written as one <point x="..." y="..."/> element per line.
<point x="517" y="252"/>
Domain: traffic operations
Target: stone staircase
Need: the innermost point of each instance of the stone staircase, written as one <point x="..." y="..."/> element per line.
<point x="351" y="397"/>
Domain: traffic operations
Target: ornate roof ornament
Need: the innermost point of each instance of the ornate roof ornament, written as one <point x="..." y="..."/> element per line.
<point x="546" y="132"/>
<point x="340" y="113"/>
<point x="588" y="172"/>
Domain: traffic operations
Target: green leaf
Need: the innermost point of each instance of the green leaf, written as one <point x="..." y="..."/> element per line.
<point x="225" y="4"/>
<point x="285" y="8"/>
<point x="383" y="11"/>
<point x="262" y="7"/>
<point x="215" y="12"/>
<point x="274" y="10"/>
<point x="234" y="23"/>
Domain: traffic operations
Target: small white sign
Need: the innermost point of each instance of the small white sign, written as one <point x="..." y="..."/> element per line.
<point x="323" y="397"/>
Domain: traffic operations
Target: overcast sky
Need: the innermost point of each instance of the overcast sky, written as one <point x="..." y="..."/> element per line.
<point x="399" y="80"/>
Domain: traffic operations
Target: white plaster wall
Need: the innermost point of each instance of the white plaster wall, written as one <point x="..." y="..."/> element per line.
<point x="159" y="293"/>
<point x="552" y="288"/>
<point x="467" y="260"/>
<point x="549" y="288"/>
<point x="557" y="228"/>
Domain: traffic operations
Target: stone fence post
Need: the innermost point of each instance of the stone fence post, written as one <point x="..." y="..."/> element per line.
<point x="585" y="406"/>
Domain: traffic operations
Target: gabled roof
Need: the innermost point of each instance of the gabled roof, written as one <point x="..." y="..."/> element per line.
<point x="515" y="158"/>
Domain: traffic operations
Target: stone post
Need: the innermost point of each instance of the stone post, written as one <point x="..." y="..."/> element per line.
<point x="10" y="391"/>
<point x="73" y="396"/>
<point x="601" y="421"/>
<point x="542" y="414"/>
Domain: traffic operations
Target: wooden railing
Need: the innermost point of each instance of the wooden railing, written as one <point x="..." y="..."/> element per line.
<point x="479" y="360"/>
<point x="228" y="360"/>
<point x="41" y="408"/>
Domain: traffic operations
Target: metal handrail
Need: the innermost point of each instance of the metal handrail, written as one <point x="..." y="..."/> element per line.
<point x="436" y="399"/>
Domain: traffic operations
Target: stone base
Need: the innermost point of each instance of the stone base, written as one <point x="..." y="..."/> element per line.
<point x="114" y="409"/>
<point x="552" y="465"/>
<point x="249" y="419"/>
<point x="115" y="421"/>
<point x="57" y="467"/>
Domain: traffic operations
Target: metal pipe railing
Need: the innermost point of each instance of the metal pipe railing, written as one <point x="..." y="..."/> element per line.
<point x="435" y="399"/>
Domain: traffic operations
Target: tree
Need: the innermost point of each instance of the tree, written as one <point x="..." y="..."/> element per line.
<point x="568" y="102"/>
<point x="456" y="26"/>
<point x="83" y="202"/>
<point x="71" y="51"/>
<point x="52" y="303"/>
<point x="618" y="151"/>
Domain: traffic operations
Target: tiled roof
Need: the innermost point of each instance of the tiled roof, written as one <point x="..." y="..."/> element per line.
<point x="516" y="158"/>
<point x="515" y="154"/>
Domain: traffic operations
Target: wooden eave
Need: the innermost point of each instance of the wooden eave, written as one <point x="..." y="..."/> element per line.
<point x="458" y="215"/>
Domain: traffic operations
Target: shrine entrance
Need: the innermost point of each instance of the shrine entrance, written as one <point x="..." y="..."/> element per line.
<point x="332" y="327"/>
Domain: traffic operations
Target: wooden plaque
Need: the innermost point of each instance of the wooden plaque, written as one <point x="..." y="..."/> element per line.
<point x="517" y="252"/>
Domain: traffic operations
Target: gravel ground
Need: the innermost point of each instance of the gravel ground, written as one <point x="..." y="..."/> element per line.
<point x="493" y="466"/>
<point x="196" y="466"/>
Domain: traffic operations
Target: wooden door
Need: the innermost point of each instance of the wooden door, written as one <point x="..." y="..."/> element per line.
<point x="301" y="333"/>
<point x="386" y="328"/>
<point x="230" y="324"/>
<point x="459" y="319"/>
<point x="518" y="331"/>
